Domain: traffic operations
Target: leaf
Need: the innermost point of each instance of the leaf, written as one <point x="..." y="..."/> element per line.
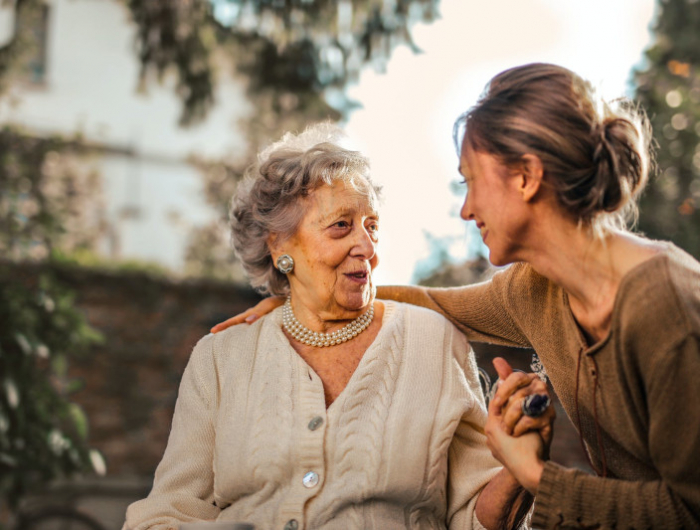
<point x="59" y="365"/>
<point x="8" y="460"/>
<point x="79" y="419"/>
<point x="11" y="393"/>
<point x="23" y="343"/>
<point x="98" y="462"/>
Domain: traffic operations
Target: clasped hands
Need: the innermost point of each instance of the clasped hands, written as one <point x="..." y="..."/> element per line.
<point x="521" y="443"/>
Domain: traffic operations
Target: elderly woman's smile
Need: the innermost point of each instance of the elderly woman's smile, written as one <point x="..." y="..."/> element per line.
<point x="334" y="251"/>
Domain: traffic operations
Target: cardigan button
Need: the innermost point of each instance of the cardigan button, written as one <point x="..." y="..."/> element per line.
<point x="292" y="524"/>
<point x="315" y="423"/>
<point x="310" y="479"/>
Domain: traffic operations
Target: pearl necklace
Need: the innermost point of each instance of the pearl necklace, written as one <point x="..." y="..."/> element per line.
<point x="319" y="339"/>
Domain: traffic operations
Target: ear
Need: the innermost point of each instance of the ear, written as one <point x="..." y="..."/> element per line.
<point x="531" y="176"/>
<point x="272" y="244"/>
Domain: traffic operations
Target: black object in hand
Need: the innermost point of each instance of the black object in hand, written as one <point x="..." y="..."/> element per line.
<point x="534" y="405"/>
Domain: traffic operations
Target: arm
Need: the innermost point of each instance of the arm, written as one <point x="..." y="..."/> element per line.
<point x="566" y="496"/>
<point x="502" y="502"/>
<point x="183" y="486"/>
<point x="480" y="311"/>
<point x="523" y="456"/>
<point x="262" y="308"/>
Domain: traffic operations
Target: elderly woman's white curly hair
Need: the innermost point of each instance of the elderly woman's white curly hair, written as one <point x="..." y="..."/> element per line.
<point x="270" y="200"/>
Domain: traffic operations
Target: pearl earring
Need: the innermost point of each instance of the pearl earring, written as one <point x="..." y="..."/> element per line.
<point x="285" y="264"/>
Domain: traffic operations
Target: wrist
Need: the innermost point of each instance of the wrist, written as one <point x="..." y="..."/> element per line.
<point x="532" y="476"/>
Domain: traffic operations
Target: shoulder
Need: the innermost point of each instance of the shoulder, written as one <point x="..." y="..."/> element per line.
<point x="659" y="300"/>
<point x="532" y="301"/>
<point x="426" y="331"/>
<point x="236" y="344"/>
<point x="520" y="284"/>
<point x="682" y="273"/>
<point x="418" y="319"/>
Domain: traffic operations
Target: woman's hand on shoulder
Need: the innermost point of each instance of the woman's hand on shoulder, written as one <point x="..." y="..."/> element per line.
<point x="249" y="316"/>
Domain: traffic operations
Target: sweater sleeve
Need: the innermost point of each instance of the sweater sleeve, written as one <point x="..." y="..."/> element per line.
<point x="184" y="480"/>
<point x="480" y="311"/>
<point x="471" y="465"/>
<point x="572" y="498"/>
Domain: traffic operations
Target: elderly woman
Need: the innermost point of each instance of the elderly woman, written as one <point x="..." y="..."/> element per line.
<point x="327" y="413"/>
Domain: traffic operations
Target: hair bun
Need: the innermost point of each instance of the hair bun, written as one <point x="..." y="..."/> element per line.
<point x="619" y="161"/>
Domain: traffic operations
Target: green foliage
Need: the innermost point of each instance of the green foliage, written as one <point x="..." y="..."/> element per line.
<point x="669" y="88"/>
<point x="299" y="47"/>
<point x="49" y="199"/>
<point x="84" y="258"/>
<point x="49" y="203"/>
<point x="42" y="434"/>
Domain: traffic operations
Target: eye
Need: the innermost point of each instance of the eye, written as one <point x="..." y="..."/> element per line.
<point x="341" y="224"/>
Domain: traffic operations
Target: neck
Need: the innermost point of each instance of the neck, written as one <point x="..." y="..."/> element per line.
<point x="581" y="264"/>
<point x="324" y="319"/>
<point x="588" y="268"/>
<point x="315" y="339"/>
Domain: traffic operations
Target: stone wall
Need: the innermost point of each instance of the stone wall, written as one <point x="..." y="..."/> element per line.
<point x="130" y="381"/>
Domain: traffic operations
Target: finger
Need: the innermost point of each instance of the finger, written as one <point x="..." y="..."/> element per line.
<point x="503" y="368"/>
<point x="247" y="316"/>
<point x="512" y="412"/>
<point x="506" y="387"/>
<point x="543" y="423"/>
<point x="513" y="408"/>
<point x="528" y="385"/>
<point x="494" y="409"/>
<point x="251" y="315"/>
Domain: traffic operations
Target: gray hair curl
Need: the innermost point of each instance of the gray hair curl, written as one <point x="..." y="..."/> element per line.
<point x="270" y="198"/>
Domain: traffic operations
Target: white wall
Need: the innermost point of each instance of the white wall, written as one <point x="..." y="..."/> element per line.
<point x="91" y="88"/>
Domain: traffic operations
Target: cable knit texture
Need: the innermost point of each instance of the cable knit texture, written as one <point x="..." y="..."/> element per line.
<point x="241" y="440"/>
<point x="647" y="386"/>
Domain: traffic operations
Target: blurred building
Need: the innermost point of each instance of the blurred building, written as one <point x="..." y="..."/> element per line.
<point x="82" y="79"/>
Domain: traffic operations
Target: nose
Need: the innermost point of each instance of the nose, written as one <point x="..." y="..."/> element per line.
<point x="466" y="212"/>
<point x="365" y="244"/>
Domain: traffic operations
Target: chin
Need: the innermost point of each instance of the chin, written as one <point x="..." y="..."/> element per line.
<point x="498" y="260"/>
<point x="357" y="301"/>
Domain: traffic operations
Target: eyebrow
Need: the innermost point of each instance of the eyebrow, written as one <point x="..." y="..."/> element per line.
<point x="345" y="211"/>
<point x="335" y="214"/>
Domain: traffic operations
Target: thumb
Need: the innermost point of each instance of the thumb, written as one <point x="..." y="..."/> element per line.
<point x="503" y="369"/>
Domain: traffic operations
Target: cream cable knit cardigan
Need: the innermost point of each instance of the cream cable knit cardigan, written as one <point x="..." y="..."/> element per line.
<point x="251" y="422"/>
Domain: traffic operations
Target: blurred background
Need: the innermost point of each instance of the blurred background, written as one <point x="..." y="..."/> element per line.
<point x="125" y="126"/>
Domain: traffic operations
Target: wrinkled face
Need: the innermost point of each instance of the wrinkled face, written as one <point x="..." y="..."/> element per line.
<point x="494" y="202"/>
<point x="334" y="252"/>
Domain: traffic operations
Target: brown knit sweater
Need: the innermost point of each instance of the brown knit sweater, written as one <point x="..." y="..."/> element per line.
<point x="638" y="391"/>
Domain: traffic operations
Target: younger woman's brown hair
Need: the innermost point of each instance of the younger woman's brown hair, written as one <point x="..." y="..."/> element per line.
<point x="596" y="156"/>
